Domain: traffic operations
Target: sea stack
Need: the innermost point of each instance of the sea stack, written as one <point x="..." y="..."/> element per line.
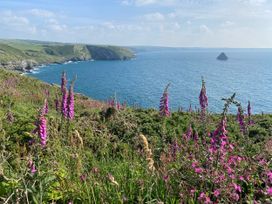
<point x="222" y="57"/>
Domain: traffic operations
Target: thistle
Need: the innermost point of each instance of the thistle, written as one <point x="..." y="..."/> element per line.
<point x="148" y="153"/>
<point x="164" y="103"/>
<point x="203" y="99"/>
<point x="70" y="102"/>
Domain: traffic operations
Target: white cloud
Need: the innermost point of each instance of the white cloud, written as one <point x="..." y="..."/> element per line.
<point x="254" y="2"/>
<point x="149" y="2"/>
<point x="41" y="13"/>
<point x="227" y="24"/>
<point x="154" y="17"/>
<point x="205" y="29"/>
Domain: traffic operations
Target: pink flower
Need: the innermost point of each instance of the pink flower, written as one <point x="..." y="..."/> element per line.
<point x="235" y="197"/>
<point x="216" y="193"/>
<point x="237" y="187"/>
<point x="83" y="177"/>
<point x="269" y="191"/>
<point x="240" y="119"/>
<point x="269" y="174"/>
<point x="42" y="130"/>
<point x="204" y="198"/>
<point x="166" y="178"/>
<point x="192" y="192"/>
<point x="164" y="103"/>
<point x="32" y="167"/>
<point x="199" y="170"/>
<point x="70" y="103"/>
<point x="203" y="99"/>
<point x="64" y="103"/>
<point x="63" y="82"/>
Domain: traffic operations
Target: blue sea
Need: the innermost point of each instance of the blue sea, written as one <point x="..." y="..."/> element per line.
<point x="141" y="81"/>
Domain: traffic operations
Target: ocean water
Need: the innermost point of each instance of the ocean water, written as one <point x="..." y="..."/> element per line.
<point x="141" y="81"/>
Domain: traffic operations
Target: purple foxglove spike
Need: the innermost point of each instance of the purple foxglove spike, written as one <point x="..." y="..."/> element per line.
<point x="250" y="122"/>
<point x="240" y="119"/>
<point x="64" y="103"/>
<point x="164" y="103"/>
<point x="71" y="103"/>
<point x="63" y="82"/>
<point x="42" y="131"/>
<point x="203" y="99"/>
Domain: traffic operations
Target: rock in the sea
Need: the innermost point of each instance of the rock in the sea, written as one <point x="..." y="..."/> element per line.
<point x="222" y="56"/>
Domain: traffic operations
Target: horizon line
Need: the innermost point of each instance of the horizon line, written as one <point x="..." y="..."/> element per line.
<point x="140" y="45"/>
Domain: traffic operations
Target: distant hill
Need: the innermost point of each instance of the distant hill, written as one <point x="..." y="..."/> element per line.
<point x="23" y="55"/>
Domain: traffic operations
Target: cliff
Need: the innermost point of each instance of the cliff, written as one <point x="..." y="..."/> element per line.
<point x="23" y="55"/>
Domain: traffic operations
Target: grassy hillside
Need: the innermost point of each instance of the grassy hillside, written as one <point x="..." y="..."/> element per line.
<point x="100" y="157"/>
<point x="20" y="54"/>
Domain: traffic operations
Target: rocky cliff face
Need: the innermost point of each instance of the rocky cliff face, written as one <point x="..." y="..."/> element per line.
<point x="24" y="55"/>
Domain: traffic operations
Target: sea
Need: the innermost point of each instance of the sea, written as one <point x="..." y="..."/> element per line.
<point x="140" y="82"/>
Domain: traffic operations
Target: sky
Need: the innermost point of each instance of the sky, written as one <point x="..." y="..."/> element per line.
<point x="173" y="23"/>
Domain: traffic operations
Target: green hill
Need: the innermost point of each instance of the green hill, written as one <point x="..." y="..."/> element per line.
<point x="99" y="157"/>
<point x="22" y="54"/>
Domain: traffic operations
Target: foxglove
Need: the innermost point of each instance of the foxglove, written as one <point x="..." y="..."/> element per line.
<point x="203" y="99"/>
<point x="70" y="102"/>
<point x="164" y="103"/>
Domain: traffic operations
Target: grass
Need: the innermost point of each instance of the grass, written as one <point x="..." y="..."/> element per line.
<point x="45" y="52"/>
<point x="99" y="158"/>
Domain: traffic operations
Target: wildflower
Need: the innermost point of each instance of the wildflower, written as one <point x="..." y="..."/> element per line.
<point x="203" y="99"/>
<point x="166" y="178"/>
<point x="235" y="197"/>
<point x="42" y="130"/>
<point x="32" y="167"/>
<point x="219" y="138"/>
<point x="164" y="103"/>
<point x="250" y="122"/>
<point x="189" y="132"/>
<point x="148" y="153"/>
<point x="204" y="198"/>
<point x="44" y="109"/>
<point x="70" y="103"/>
<point x="174" y="148"/>
<point x="83" y="177"/>
<point x="237" y="188"/>
<point x="216" y="193"/>
<point x="198" y="170"/>
<point x="269" y="191"/>
<point x="240" y="119"/>
<point x="269" y="175"/>
<point x="63" y="82"/>
<point x="64" y="103"/>
<point x="192" y="192"/>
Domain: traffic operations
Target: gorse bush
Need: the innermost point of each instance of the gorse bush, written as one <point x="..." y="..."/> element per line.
<point x="61" y="147"/>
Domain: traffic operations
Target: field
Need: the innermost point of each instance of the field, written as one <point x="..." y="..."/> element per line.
<point x="61" y="147"/>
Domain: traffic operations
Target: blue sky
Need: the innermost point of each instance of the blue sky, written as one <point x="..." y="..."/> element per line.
<point x="178" y="23"/>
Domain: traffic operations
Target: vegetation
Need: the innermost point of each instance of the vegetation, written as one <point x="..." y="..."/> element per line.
<point x="108" y="153"/>
<point x="22" y="54"/>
